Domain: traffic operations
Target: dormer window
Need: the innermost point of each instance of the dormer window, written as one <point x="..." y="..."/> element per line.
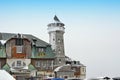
<point x="19" y="41"/>
<point x="41" y="50"/>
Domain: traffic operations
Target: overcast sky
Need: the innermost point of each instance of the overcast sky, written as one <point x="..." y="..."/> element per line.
<point x="92" y="31"/>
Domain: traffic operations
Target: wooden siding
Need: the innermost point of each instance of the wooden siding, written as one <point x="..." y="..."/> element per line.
<point x="11" y="49"/>
<point x="17" y="55"/>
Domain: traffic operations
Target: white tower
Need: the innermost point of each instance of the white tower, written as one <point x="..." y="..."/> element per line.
<point x="56" y="39"/>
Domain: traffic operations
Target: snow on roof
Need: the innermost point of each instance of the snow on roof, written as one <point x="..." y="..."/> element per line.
<point x="5" y="75"/>
<point x="58" y="68"/>
<point x="3" y="41"/>
<point x="26" y="67"/>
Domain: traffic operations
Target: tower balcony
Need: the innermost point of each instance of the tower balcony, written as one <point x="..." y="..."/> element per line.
<point x="53" y="28"/>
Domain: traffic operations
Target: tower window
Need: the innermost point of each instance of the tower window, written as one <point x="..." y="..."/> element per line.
<point x="62" y="40"/>
<point x="59" y="51"/>
<point x="58" y="40"/>
<point x="53" y="39"/>
<point x="59" y="60"/>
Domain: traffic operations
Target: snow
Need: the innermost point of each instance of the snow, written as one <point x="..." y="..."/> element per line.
<point x="5" y="75"/>
<point x="58" y="68"/>
<point x="3" y="41"/>
<point x="26" y="67"/>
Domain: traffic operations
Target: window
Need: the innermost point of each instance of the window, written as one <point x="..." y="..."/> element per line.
<point x="37" y="64"/>
<point x="44" y="64"/>
<point x="19" y="41"/>
<point x="19" y="63"/>
<point x="83" y="70"/>
<point x="41" y="49"/>
<point x="59" y="51"/>
<point x="19" y="49"/>
<point x="59" y="40"/>
<point x="59" y="60"/>
<point x="49" y="63"/>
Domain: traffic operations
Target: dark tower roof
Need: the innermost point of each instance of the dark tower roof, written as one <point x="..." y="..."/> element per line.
<point x="56" y="18"/>
<point x="56" y="22"/>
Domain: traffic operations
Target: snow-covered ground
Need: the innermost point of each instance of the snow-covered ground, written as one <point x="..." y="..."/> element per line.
<point x="5" y="75"/>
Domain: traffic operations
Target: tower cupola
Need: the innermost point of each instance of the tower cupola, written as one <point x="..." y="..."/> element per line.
<point x="57" y="25"/>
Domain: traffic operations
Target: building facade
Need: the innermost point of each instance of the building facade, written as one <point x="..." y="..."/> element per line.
<point x="24" y="55"/>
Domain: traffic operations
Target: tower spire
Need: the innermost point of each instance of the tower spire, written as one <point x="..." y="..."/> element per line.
<point x="56" y="18"/>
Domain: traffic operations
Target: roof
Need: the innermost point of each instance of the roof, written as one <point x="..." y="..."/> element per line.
<point x="116" y="78"/>
<point x="5" y="75"/>
<point x="6" y="67"/>
<point x="56" y="19"/>
<point x="39" y="42"/>
<point x="48" y="54"/>
<point x="64" y="68"/>
<point x="4" y="37"/>
<point x="2" y="52"/>
<point x="31" y="67"/>
<point x="56" y="22"/>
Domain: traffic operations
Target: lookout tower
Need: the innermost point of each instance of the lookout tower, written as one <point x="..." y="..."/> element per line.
<point x="56" y="31"/>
